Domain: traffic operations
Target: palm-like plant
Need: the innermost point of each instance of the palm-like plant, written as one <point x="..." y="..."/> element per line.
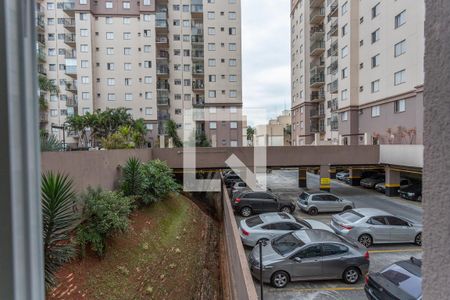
<point x="250" y="134"/>
<point x="59" y="220"/>
<point x="171" y="131"/>
<point x="132" y="178"/>
<point x="49" y="143"/>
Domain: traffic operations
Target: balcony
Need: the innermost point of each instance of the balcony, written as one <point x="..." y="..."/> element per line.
<point x="198" y="85"/>
<point x="316" y="3"/>
<point x="198" y="101"/>
<point x="333" y="87"/>
<point x="317" y="80"/>
<point x="333" y="67"/>
<point x="333" y="50"/>
<point x="318" y="96"/>
<point x="333" y="29"/>
<point x="70" y="55"/>
<point x="69" y="8"/>
<point x="316" y="34"/>
<point x="162" y="55"/>
<point x="198" y="70"/>
<point x="161" y="23"/>
<point x="41" y="39"/>
<point x="69" y="24"/>
<point x="163" y="71"/>
<point x="162" y="41"/>
<point x="40" y="22"/>
<point x="163" y="85"/>
<point x="198" y="55"/>
<point x="41" y="55"/>
<point x="42" y="70"/>
<point x="197" y="8"/>
<point x="197" y="39"/>
<point x="333" y="105"/>
<point x="163" y="116"/>
<point x="317" y="15"/>
<point x="71" y="71"/>
<point x="71" y="86"/>
<point x="333" y="9"/>
<point x="163" y="98"/>
<point x="197" y="31"/>
<point x="317" y="48"/>
<point x="70" y="40"/>
<point x="72" y="102"/>
<point x="43" y="117"/>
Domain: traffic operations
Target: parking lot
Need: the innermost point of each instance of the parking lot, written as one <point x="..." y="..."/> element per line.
<point x="284" y="184"/>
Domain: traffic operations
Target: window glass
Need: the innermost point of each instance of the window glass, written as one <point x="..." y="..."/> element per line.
<point x="377" y="221"/>
<point x="396" y="221"/>
<point x="309" y="252"/>
<point x="333" y="249"/>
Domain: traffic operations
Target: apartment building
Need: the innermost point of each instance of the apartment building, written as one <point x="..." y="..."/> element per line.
<point x="357" y="71"/>
<point x="277" y="132"/>
<point x="157" y="58"/>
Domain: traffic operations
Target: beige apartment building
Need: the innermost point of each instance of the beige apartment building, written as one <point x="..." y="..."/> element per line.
<point x="157" y="58"/>
<point x="357" y="71"/>
<point x="276" y="133"/>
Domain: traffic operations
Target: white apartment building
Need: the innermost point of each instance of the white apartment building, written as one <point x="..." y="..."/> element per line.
<point x="357" y="71"/>
<point x="157" y="58"/>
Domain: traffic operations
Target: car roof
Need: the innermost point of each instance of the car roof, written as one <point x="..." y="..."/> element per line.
<point x="276" y="217"/>
<point x="371" y="212"/>
<point x="317" y="235"/>
<point x="315" y="192"/>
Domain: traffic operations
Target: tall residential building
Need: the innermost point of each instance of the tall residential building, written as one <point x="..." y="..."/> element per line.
<point x="156" y="58"/>
<point x="357" y="71"/>
<point x="277" y="132"/>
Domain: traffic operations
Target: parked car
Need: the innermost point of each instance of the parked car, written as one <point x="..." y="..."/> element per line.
<point x="238" y="187"/>
<point x="314" y="202"/>
<point x="342" y="175"/>
<point x="374" y="226"/>
<point x="230" y="180"/>
<point x="401" y="280"/>
<point x="381" y="187"/>
<point x="371" y="181"/>
<point x="248" y="203"/>
<point x="265" y="227"/>
<point x="309" y="255"/>
<point x="411" y="192"/>
<point x="363" y="175"/>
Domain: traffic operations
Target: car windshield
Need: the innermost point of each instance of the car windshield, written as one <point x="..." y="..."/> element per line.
<point x="286" y="244"/>
<point x="351" y="216"/>
<point x="405" y="280"/>
<point x="303" y="223"/>
<point x="253" y="221"/>
<point x="303" y="196"/>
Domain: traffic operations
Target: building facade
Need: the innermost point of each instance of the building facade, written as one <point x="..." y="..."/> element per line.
<point x="157" y="58"/>
<point x="357" y="71"/>
<point x="276" y="133"/>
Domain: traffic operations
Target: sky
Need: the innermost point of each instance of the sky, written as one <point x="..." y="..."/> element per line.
<point x="266" y="57"/>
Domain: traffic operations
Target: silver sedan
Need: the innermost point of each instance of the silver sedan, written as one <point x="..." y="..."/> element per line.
<point x="374" y="226"/>
<point x="265" y="227"/>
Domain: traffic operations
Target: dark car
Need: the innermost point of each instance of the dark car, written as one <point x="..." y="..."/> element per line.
<point x="248" y="203"/>
<point x="371" y="181"/>
<point x="230" y="180"/>
<point x="363" y="175"/>
<point x="402" y="280"/>
<point x="411" y="192"/>
<point x="381" y="187"/>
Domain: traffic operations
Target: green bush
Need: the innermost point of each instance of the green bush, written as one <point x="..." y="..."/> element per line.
<point x="105" y="214"/>
<point x="132" y="178"/>
<point x="59" y="220"/>
<point x="158" y="181"/>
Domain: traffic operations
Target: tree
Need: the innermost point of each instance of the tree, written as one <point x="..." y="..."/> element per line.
<point x="171" y="130"/>
<point x="201" y="140"/>
<point x="105" y="214"/>
<point x="46" y="85"/>
<point x="59" y="219"/>
<point x="250" y="134"/>
<point x="132" y="178"/>
<point x="49" y="143"/>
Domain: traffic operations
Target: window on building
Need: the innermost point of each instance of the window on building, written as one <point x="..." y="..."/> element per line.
<point x="128" y="96"/>
<point x="126" y="5"/>
<point x="375" y="86"/>
<point x="400" y="48"/>
<point x="212" y="125"/>
<point x="109" y="51"/>
<point x="232" y="47"/>
<point x="110" y="35"/>
<point x="127" y="35"/>
<point x="233" y="94"/>
<point x="147" y="2"/>
<point x="211" y="15"/>
<point x="148" y="95"/>
<point x="344" y="95"/>
<point x="212" y="94"/>
<point x="211" y="47"/>
<point x="109" y="4"/>
<point x="85" y="96"/>
<point x="399" y="77"/>
<point x="344" y="8"/>
<point x="111" y="81"/>
<point x="400" y="19"/>
<point x="127" y="66"/>
<point x="84" y="48"/>
<point x="128" y="81"/>
<point x="232" y="78"/>
<point x="376" y="110"/>
<point x="375" y="60"/>
<point x="375" y="35"/>
<point x="376" y="10"/>
<point x="232" y="15"/>
<point x="110" y="66"/>
<point x="149" y="111"/>
<point x="211" y="30"/>
<point x="126" y="51"/>
<point x="233" y="125"/>
<point x="84" y="32"/>
<point x="84" y="79"/>
<point x="400" y="106"/>
<point x="148" y="79"/>
<point x="232" y="31"/>
<point x="344" y="52"/>
<point x="344" y="116"/>
<point x="345" y="73"/>
<point x="127" y="20"/>
<point x="344" y="29"/>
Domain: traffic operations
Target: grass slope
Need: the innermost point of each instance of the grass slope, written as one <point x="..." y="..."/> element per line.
<point x="170" y="252"/>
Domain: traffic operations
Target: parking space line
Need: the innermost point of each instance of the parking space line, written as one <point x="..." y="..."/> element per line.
<point x="395" y="250"/>
<point x="329" y="289"/>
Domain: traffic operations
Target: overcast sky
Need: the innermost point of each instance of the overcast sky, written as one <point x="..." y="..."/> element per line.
<point x="266" y="57"/>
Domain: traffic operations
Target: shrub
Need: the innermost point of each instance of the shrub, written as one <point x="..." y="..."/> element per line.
<point x="59" y="220"/>
<point x="105" y="214"/>
<point x="158" y="181"/>
<point x="132" y="178"/>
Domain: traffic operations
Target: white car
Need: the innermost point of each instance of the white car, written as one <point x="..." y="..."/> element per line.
<point x="265" y="227"/>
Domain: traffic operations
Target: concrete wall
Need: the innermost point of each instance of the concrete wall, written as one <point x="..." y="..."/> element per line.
<point x="436" y="177"/>
<point x="94" y="168"/>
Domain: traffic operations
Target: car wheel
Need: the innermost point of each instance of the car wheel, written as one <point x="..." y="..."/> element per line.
<point x="351" y="275"/>
<point x="365" y="240"/>
<point x="286" y="209"/>
<point x="347" y="208"/>
<point x="279" y="279"/>
<point x="246" y="211"/>
<point x="418" y="239"/>
<point x="313" y="211"/>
